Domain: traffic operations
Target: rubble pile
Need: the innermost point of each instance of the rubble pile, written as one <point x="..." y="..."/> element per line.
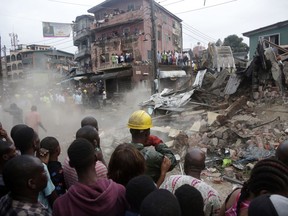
<point x="229" y="114"/>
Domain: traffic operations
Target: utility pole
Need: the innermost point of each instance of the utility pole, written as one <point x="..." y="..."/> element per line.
<point x="153" y="48"/>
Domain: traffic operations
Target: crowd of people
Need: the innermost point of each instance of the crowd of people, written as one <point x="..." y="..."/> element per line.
<point x="135" y="181"/>
<point x="173" y="58"/>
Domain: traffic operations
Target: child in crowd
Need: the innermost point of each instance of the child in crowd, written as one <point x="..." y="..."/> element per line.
<point x="54" y="166"/>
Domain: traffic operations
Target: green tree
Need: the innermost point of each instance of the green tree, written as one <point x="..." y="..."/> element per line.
<point x="236" y="43"/>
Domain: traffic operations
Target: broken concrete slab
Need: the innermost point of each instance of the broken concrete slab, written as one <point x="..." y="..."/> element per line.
<point x="212" y="117"/>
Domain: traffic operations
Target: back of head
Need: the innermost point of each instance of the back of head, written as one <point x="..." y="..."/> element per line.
<point x="50" y="143"/>
<point x="34" y="108"/>
<point x="90" y="133"/>
<point x="137" y="189"/>
<point x="81" y="154"/>
<point x="20" y="169"/>
<point x="7" y="151"/>
<point x="4" y="147"/>
<point x="194" y="159"/>
<point x="269" y="176"/>
<point x="282" y="152"/>
<point x="125" y="163"/>
<point x="140" y="120"/>
<point x="269" y="205"/>
<point x="24" y="138"/>
<point x="190" y="200"/>
<point x="160" y="202"/>
<point x="15" y="129"/>
<point x="89" y="120"/>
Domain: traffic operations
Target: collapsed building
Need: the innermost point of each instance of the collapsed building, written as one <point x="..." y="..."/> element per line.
<point x="227" y="110"/>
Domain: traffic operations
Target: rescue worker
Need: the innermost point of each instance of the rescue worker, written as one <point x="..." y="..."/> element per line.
<point x="140" y="123"/>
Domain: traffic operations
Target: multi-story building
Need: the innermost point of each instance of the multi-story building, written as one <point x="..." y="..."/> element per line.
<point x="35" y="57"/>
<point x="83" y="38"/>
<point x="121" y="36"/>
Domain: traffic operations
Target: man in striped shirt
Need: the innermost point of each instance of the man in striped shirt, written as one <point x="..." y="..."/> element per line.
<point x="193" y="165"/>
<point x="91" y="134"/>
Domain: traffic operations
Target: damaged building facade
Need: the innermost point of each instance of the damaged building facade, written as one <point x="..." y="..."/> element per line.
<point x="116" y="45"/>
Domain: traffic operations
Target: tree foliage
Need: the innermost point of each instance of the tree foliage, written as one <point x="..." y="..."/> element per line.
<point x="236" y="43"/>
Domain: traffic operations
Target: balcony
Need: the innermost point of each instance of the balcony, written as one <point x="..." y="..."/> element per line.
<point x="124" y="18"/>
<point x="82" y="53"/>
<point x="77" y="36"/>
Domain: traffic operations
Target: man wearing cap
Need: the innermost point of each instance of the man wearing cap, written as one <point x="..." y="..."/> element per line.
<point x="152" y="148"/>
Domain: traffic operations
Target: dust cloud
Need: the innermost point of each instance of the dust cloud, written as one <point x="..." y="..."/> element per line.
<point x="63" y="120"/>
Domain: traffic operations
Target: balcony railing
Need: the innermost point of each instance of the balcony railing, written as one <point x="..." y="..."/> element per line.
<point x="126" y="17"/>
<point x="81" y="34"/>
<point x="82" y="53"/>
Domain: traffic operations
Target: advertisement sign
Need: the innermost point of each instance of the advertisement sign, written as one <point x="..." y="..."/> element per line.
<point x="52" y="29"/>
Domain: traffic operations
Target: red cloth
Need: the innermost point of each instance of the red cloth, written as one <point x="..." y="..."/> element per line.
<point x="154" y="140"/>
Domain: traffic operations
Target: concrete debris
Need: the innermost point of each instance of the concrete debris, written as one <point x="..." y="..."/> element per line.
<point x="231" y="113"/>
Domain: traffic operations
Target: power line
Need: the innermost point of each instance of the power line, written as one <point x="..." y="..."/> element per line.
<point x="197" y="32"/>
<point x="194" y="38"/>
<point x="206" y="7"/>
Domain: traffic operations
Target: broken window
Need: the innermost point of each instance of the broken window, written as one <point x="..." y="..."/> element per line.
<point x="271" y="38"/>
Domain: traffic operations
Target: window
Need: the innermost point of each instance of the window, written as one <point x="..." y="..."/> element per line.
<point x="131" y="7"/>
<point x="272" y="38"/>
<point x="159" y="34"/>
<point x="173" y="24"/>
<point x="104" y="58"/>
<point x="149" y="54"/>
<point x="126" y="32"/>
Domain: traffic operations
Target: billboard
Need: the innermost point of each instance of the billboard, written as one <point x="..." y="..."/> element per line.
<point x="52" y="29"/>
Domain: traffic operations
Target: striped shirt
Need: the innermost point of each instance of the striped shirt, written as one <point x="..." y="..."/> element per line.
<point x="211" y="198"/>
<point x="70" y="174"/>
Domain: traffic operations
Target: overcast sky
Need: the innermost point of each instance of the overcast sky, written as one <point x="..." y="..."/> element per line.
<point x="217" y="19"/>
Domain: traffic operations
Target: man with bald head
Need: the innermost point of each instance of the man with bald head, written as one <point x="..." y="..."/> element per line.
<point x="194" y="163"/>
<point x="282" y="152"/>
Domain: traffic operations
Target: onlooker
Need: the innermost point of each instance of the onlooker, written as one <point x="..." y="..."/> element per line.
<point x="16" y="128"/>
<point x="33" y="119"/>
<point x="160" y="203"/>
<point x="90" y="120"/>
<point x="267" y="176"/>
<point x="282" y="152"/>
<point x="25" y="177"/>
<point x="268" y="205"/>
<point x="16" y="112"/>
<point x="91" y="195"/>
<point x="7" y="151"/>
<point x="194" y="163"/>
<point x="27" y="141"/>
<point x="140" y="123"/>
<point x="190" y="200"/>
<point x="89" y="133"/>
<point x="126" y="162"/>
<point x="54" y="166"/>
<point x="3" y="134"/>
<point x="136" y="190"/>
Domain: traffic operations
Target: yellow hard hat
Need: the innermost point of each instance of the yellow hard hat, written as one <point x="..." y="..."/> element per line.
<point x="140" y="120"/>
